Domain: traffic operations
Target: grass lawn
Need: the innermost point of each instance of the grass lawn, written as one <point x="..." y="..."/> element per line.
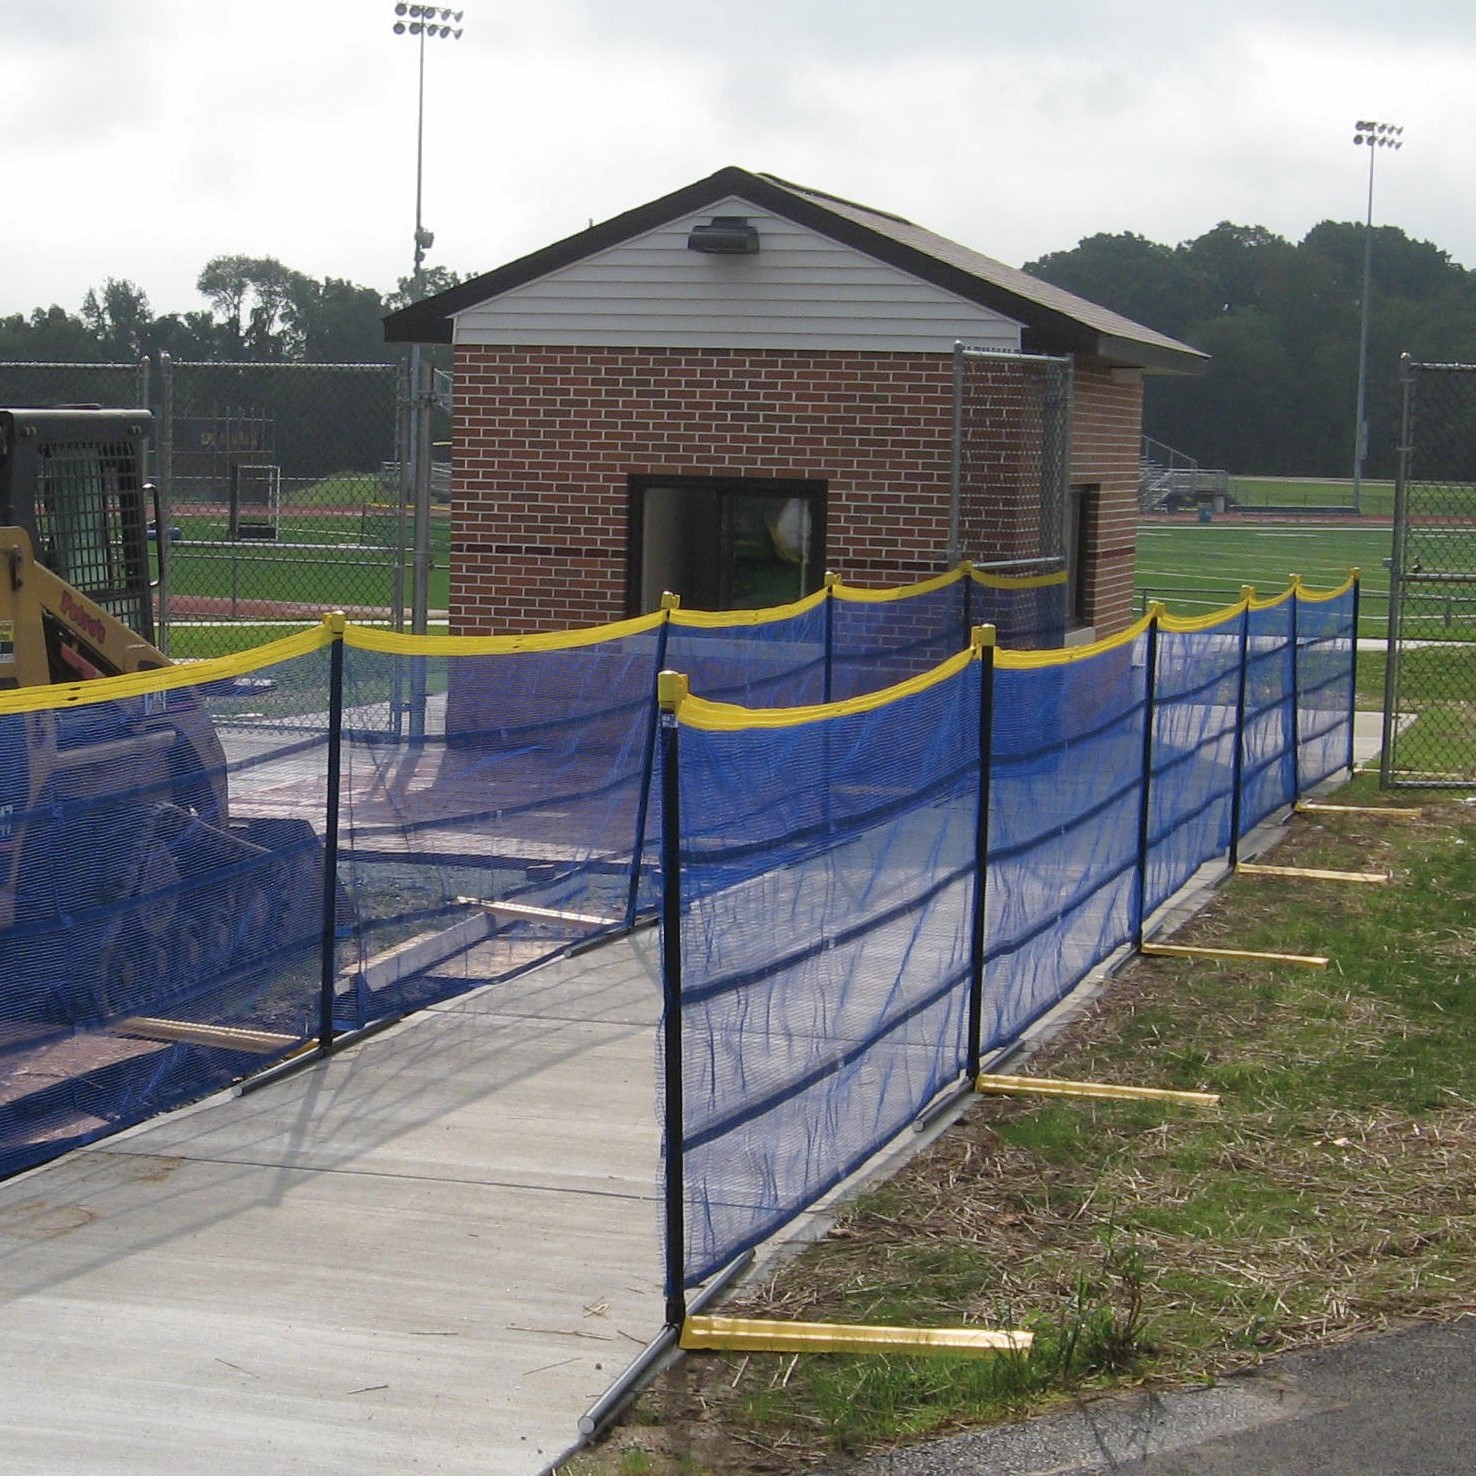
<point x="1332" y="1192"/>
<point x="1375" y="498"/>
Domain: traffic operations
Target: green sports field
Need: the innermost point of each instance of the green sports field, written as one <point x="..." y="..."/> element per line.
<point x="1198" y="567"/>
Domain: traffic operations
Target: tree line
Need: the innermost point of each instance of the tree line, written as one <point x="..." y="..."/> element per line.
<point x="260" y="312"/>
<point x="1279" y="319"/>
<point x="1281" y="323"/>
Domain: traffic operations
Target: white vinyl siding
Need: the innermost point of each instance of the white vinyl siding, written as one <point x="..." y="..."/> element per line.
<point x="800" y="291"/>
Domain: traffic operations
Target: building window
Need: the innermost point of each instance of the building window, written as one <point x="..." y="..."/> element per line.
<point x="724" y="543"/>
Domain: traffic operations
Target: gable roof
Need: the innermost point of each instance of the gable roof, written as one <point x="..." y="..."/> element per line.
<point x="1055" y="321"/>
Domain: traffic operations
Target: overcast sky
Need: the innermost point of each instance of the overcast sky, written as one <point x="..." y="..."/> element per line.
<point x="140" y="138"/>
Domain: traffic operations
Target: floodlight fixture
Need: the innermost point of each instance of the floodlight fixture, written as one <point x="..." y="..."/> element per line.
<point x="1370" y="134"/>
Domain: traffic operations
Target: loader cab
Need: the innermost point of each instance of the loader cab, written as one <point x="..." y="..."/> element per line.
<point x="74" y="480"/>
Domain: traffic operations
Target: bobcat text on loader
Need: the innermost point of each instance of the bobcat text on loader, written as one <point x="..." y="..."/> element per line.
<point x="124" y="880"/>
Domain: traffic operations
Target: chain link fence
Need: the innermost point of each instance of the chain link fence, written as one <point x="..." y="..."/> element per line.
<point x="1011" y="436"/>
<point x="121" y="386"/>
<point x="288" y="489"/>
<point x="1430" y="680"/>
<point x="1011" y="510"/>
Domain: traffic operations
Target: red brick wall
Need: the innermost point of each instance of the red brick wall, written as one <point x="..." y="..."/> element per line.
<point x="546" y="439"/>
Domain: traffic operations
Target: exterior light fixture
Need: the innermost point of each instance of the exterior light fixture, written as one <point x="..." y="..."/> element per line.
<point x="1373" y="136"/>
<point x="725" y="235"/>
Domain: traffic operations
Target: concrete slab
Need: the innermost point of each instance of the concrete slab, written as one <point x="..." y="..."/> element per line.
<point x="435" y="1251"/>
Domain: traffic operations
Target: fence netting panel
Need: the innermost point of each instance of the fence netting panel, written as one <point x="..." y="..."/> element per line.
<point x="1325" y="676"/>
<point x="755" y="663"/>
<point x="1064" y="818"/>
<point x="826" y="887"/>
<point x="1268" y="767"/>
<point x="1195" y="726"/>
<point x="876" y="643"/>
<point x="160" y="898"/>
<point x="492" y="811"/>
<point x="1028" y="611"/>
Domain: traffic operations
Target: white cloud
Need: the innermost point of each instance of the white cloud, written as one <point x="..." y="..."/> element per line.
<point x="142" y="139"/>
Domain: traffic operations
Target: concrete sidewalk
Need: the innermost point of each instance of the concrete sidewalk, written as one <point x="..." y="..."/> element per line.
<point x="433" y="1251"/>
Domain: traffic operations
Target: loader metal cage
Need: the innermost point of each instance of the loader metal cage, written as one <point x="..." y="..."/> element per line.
<point x="74" y="480"/>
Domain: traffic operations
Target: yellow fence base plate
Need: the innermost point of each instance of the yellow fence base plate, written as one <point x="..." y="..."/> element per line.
<point x="540" y="914"/>
<point x="1046" y="1086"/>
<point x="226" y="1037"/>
<point x="749" y="1335"/>
<point x="1305" y="873"/>
<point x="1244" y="955"/>
<point x="1312" y="807"/>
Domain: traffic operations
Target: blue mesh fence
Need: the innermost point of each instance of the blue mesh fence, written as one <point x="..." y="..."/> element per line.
<point x="824" y="879"/>
<point x="1064" y="818"/>
<point x="1268" y="774"/>
<point x="1195" y="727"/>
<point x="1028" y="611"/>
<point x="825" y="938"/>
<point x="1326" y="632"/>
<point x="160" y="897"/>
<point x="492" y="809"/>
<point x="165" y="925"/>
<point x="763" y="662"/>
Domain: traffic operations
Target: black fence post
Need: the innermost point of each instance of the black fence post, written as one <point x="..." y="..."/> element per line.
<point x="1237" y="761"/>
<point x="1145" y="800"/>
<point x="1296" y="688"/>
<point x="831" y="580"/>
<point x="671" y="688"/>
<point x="982" y="639"/>
<point x="329" y="948"/>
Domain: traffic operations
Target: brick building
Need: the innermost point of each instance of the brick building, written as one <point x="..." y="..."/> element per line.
<point x="734" y="388"/>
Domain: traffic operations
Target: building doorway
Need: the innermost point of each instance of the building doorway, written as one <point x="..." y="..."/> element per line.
<point x="724" y="543"/>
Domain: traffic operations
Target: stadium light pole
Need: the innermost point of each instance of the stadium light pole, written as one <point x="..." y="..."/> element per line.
<point x="422" y="23"/>
<point x="1373" y="136"/>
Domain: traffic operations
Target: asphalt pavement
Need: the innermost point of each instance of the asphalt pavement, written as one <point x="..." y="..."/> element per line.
<point x="1396" y="1404"/>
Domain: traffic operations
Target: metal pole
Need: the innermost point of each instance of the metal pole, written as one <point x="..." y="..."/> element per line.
<point x="164" y="480"/>
<point x="1296" y="685"/>
<point x="1396" y="574"/>
<point x="419" y="165"/>
<point x="1237" y="761"/>
<point x="1150" y="686"/>
<point x="420" y="588"/>
<point x="671" y="687"/>
<point x="420" y="583"/>
<point x="831" y="580"/>
<point x="405" y="452"/>
<point x="648" y="776"/>
<point x="329" y="949"/>
<point x="1360" y="428"/>
<point x="983" y="640"/>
